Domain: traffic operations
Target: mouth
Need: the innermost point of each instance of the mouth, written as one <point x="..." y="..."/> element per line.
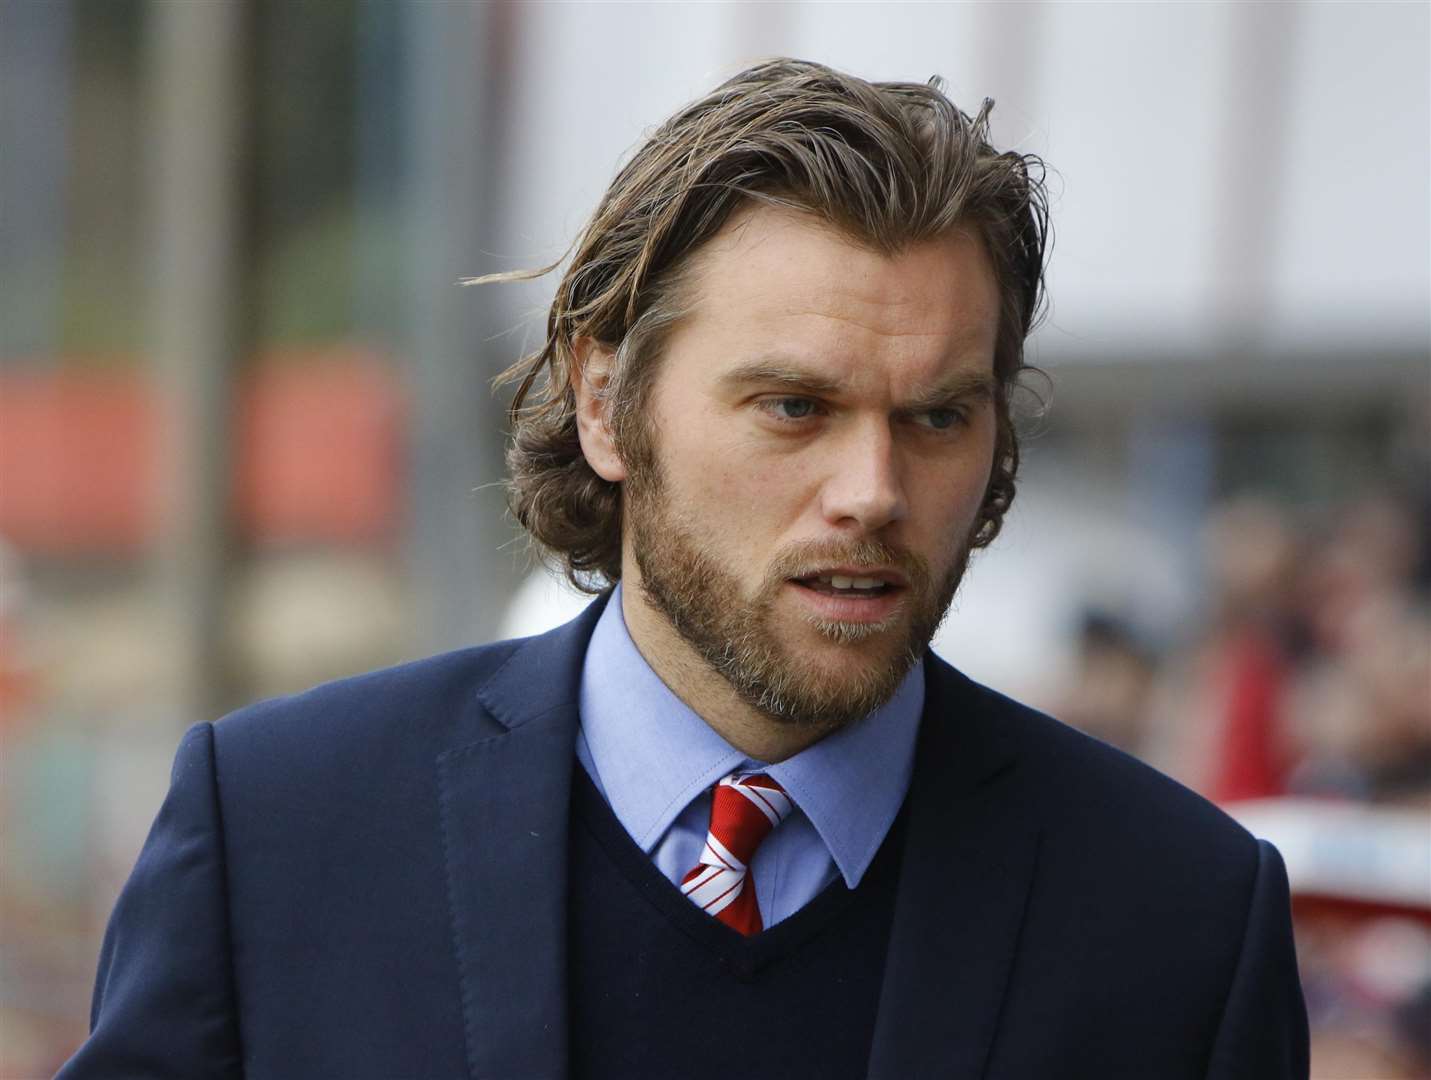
<point x="852" y="595"/>
<point x="862" y="595"/>
<point x="852" y="583"/>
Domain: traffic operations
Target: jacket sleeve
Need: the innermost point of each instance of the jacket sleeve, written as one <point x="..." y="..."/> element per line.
<point x="1263" y="1034"/>
<point x="164" y="998"/>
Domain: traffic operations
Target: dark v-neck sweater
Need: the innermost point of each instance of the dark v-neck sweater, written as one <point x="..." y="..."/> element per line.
<point x="659" y="989"/>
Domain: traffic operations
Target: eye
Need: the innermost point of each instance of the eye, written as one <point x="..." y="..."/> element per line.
<point x="789" y="409"/>
<point x="940" y="419"/>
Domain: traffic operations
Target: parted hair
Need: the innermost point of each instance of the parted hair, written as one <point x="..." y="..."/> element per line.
<point x="887" y="164"/>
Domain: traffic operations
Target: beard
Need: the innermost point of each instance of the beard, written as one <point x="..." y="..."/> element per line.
<point x="701" y="597"/>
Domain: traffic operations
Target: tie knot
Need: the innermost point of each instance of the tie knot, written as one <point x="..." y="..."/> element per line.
<point x="744" y="810"/>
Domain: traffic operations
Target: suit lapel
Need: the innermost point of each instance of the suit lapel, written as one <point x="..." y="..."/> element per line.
<point x="966" y="871"/>
<point x="505" y="806"/>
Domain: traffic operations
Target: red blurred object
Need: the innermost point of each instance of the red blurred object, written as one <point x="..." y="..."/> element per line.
<point x="1249" y="763"/>
<point x="318" y="455"/>
<point x="77" y="457"/>
<point x="320" y="443"/>
<point x="1317" y="906"/>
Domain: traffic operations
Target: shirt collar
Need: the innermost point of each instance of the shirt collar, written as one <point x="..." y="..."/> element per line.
<point x="651" y="754"/>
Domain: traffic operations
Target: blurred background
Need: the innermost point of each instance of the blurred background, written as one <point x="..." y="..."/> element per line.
<point x="248" y="441"/>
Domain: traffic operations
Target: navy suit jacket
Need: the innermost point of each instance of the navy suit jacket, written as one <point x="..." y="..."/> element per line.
<point x="369" y="880"/>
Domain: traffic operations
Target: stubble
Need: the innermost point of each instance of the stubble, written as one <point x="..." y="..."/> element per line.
<point x="686" y="581"/>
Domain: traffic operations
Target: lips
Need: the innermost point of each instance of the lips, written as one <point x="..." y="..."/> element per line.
<point x="852" y="582"/>
<point x="850" y="594"/>
<point x="827" y="604"/>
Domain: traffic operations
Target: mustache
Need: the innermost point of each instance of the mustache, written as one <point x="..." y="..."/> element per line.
<point x="806" y="557"/>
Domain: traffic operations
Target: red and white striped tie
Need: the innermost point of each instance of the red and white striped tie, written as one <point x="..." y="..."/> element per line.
<point x="743" y="811"/>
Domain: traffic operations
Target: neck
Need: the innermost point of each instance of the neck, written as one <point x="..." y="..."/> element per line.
<point x="704" y="690"/>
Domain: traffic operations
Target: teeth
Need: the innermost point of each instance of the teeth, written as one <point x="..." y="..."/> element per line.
<point x="839" y="581"/>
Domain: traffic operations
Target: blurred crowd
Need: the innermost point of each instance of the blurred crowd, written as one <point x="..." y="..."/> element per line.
<point x="1308" y="677"/>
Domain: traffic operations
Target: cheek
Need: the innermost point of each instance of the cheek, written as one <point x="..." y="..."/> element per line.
<point x="948" y="499"/>
<point x="944" y="510"/>
<point x="741" y="492"/>
<point x="742" y="496"/>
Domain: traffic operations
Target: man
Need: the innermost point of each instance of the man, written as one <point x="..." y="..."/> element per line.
<point x="734" y="819"/>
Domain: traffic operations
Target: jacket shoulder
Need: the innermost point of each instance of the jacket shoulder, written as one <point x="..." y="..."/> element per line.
<point x="1161" y="914"/>
<point x="426" y="705"/>
<point x="1087" y="787"/>
<point x="423" y="690"/>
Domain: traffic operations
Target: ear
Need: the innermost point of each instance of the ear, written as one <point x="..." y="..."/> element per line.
<point x="589" y="375"/>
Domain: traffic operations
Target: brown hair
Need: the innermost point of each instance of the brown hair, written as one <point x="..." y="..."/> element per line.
<point x="888" y="164"/>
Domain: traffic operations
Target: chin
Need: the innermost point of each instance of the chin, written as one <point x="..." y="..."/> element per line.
<point x="823" y="678"/>
<point x="859" y="636"/>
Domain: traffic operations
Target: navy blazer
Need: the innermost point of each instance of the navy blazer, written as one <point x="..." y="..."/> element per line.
<point x="368" y="880"/>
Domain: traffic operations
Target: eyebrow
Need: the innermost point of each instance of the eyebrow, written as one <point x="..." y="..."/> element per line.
<point x="963" y="386"/>
<point x="980" y="386"/>
<point x="775" y="373"/>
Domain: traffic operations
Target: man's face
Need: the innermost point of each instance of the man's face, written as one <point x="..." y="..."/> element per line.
<point x="820" y="434"/>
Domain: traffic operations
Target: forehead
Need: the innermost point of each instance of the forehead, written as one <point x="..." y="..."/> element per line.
<point x="781" y="280"/>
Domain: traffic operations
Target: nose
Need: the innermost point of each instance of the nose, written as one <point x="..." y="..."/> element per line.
<point x="863" y="487"/>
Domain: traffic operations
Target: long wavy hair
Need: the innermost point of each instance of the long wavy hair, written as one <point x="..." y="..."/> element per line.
<point x="887" y="164"/>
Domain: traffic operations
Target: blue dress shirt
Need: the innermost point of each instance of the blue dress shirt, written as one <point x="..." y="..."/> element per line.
<point x="654" y="760"/>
